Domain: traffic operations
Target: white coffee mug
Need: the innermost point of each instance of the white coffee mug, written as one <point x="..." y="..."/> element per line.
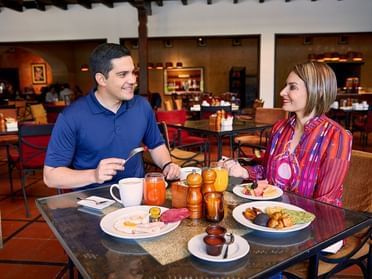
<point x="130" y="190"/>
<point x="187" y="170"/>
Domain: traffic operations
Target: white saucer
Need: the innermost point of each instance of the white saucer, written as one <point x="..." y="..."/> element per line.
<point x="238" y="249"/>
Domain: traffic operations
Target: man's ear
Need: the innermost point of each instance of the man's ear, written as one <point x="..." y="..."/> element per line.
<point x="100" y="79"/>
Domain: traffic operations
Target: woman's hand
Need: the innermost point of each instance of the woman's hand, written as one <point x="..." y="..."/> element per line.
<point x="235" y="169"/>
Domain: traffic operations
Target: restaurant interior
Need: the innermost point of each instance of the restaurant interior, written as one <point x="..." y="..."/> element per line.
<point x="186" y="53"/>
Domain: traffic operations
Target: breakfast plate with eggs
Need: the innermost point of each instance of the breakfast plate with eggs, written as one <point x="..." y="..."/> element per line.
<point x="260" y="190"/>
<point x="134" y="223"/>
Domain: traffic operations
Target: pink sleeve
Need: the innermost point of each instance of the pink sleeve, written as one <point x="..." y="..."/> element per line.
<point x="333" y="169"/>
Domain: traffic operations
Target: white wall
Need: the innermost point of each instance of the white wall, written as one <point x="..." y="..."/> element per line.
<point x="197" y="18"/>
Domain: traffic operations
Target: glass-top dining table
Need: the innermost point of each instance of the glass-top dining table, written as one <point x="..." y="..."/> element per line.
<point x="99" y="255"/>
<point x="202" y="127"/>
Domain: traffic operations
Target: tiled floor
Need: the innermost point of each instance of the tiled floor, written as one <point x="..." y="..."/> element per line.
<point x="30" y="250"/>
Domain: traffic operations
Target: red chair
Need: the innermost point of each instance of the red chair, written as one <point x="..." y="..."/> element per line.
<point x="30" y="155"/>
<point x="176" y="136"/>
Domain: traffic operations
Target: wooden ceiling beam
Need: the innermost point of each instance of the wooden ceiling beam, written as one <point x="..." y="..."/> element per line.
<point x="142" y="4"/>
<point x="108" y="3"/>
<point x="13" y="5"/>
<point x="60" y="4"/>
<point x="85" y="3"/>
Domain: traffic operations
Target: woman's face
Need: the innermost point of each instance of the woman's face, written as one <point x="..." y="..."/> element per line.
<point x="294" y="94"/>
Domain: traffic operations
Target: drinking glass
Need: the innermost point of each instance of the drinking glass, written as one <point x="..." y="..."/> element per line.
<point x="222" y="178"/>
<point x="154" y="188"/>
<point x="214" y="210"/>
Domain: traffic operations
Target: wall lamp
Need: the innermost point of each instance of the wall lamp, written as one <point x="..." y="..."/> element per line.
<point x="84" y="68"/>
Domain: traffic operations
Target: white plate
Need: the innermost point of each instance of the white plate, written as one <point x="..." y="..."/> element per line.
<point x="239" y="217"/>
<point x="238" y="249"/>
<point x="107" y="223"/>
<point x="89" y="202"/>
<point x="238" y="190"/>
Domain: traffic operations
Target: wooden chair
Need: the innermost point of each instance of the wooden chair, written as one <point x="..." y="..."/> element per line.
<point x="168" y="105"/>
<point x="363" y="125"/>
<point x="39" y="114"/>
<point x="259" y="139"/>
<point x="357" y="249"/>
<point x="30" y="154"/>
<point x="179" y="155"/>
<point x="21" y="108"/>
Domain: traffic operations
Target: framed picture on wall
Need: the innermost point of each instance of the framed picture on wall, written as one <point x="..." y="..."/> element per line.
<point x="38" y="73"/>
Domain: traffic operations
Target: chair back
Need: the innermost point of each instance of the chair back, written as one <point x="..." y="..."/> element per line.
<point x="53" y="112"/>
<point x="164" y="131"/>
<point x="20" y="106"/>
<point x="155" y="101"/>
<point x="172" y="117"/>
<point x="270" y="115"/>
<point x="33" y="143"/>
<point x="168" y="105"/>
<point x="39" y="114"/>
<point x="178" y="103"/>
<point x="357" y="193"/>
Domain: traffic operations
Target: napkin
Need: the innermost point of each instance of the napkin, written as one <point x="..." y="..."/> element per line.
<point x="89" y="202"/>
<point x="333" y="249"/>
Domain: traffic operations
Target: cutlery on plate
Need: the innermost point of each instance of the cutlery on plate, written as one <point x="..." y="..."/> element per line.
<point x="134" y="152"/>
<point x="229" y="239"/>
<point x="96" y="202"/>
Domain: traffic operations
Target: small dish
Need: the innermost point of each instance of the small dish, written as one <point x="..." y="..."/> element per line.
<point x="237" y="250"/>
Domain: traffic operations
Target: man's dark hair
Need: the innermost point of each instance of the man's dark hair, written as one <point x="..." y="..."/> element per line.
<point x="100" y="59"/>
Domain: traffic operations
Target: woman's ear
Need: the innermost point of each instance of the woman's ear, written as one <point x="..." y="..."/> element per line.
<point x="100" y="79"/>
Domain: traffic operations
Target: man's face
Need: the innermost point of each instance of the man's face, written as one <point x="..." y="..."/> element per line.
<point x="121" y="79"/>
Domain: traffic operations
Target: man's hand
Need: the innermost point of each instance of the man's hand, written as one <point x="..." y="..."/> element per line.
<point x="172" y="171"/>
<point x="107" y="169"/>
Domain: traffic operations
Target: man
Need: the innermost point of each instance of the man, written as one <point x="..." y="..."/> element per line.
<point x="93" y="136"/>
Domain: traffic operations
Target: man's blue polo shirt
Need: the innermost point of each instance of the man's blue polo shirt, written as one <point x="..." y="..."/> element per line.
<point x="86" y="132"/>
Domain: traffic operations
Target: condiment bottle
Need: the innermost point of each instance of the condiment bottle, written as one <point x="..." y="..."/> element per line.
<point x="209" y="177"/>
<point x="2" y="122"/>
<point x="194" y="198"/>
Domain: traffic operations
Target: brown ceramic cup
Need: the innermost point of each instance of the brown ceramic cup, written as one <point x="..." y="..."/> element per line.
<point x="216" y="230"/>
<point x="214" y="244"/>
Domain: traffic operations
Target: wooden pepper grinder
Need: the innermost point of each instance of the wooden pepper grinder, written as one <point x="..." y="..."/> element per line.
<point x="209" y="176"/>
<point x="194" y="198"/>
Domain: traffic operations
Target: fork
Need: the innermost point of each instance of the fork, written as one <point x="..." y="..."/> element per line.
<point x="96" y="202"/>
<point x="134" y="152"/>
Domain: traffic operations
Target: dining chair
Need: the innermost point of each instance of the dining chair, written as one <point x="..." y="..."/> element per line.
<point x="168" y="105"/>
<point x="357" y="249"/>
<point x="179" y="136"/>
<point x="52" y="112"/>
<point x="363" y="124"/>
<point x="29" y="156"/>
<point x="259" y="139"/>
<point x="179" y="154"/>
<point x="21" y="108"/>
<point x="39" y="114"/>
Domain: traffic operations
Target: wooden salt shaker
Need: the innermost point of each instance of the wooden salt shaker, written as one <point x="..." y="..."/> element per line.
<point x="194" y="198"/>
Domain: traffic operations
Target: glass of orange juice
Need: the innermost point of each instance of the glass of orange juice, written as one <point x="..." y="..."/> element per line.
<point x="154" y="188"/>
<point x="222" y="178"/>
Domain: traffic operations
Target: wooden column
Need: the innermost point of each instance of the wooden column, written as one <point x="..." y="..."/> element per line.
<point x="143" y="53"/>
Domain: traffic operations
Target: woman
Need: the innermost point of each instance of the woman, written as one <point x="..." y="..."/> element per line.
<point x="308" y="153"/>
